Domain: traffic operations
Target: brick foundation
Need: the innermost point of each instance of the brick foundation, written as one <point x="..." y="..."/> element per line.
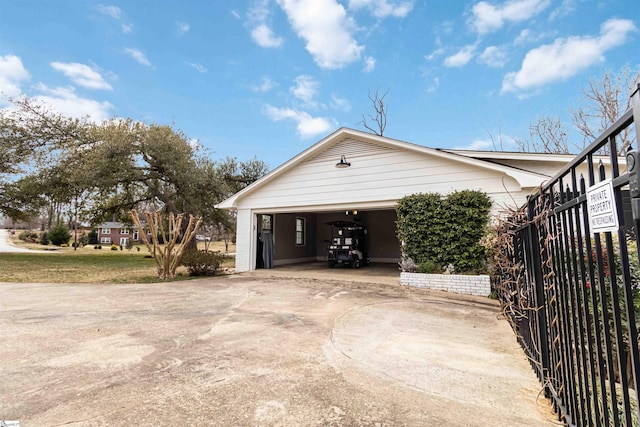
<point x="470" y="285"/>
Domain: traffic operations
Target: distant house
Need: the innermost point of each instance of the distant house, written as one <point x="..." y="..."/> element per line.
<point x="117" y="233"/>
<point x="360" y="177"/>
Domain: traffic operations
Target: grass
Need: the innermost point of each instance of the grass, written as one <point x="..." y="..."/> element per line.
<point x="85" y="265"/>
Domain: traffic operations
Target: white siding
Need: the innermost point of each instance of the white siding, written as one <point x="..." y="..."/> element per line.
<point x="377" y="174"/>
<point x="244" y="241"/>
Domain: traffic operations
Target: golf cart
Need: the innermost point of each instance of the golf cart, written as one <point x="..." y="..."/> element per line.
<point x="348" y="244"/>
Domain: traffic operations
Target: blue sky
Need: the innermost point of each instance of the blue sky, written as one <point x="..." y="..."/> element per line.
<point x="269" y="78"/>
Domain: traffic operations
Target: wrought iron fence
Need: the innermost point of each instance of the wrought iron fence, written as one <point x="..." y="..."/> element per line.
<point x="572" y="291"/>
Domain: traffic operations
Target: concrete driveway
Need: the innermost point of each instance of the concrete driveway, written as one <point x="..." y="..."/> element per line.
<point x="258" y="350"/>
<point x="7" y="246"/>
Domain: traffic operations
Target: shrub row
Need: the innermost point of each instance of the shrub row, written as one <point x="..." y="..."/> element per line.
<point x="201" y="263"/>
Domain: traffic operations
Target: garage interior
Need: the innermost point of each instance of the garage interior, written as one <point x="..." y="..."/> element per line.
<point x="293" y="238"/>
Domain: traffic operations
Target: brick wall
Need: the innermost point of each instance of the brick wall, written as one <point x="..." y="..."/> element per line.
<point x="471" y="285"/>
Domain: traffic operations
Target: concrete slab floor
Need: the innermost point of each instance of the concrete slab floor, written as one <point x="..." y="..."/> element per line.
<point x="258" y="350"/>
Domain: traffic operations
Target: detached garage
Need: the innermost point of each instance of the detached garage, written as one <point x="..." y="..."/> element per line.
<point x="356" y="176"/>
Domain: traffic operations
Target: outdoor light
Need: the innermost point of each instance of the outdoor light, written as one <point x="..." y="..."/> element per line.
<point x="343" y="163"/>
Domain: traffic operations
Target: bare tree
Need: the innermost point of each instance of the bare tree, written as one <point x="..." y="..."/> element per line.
<point x="546" y="135"/>
<point x="166" y="254"/>
<point x="380" y="109"/>
<point x="604" y="100"/>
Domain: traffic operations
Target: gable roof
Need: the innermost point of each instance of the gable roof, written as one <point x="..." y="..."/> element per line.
<point x="523" y="177"/>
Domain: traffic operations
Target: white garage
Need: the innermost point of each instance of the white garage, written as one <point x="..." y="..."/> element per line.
<point x="357" y="176"/>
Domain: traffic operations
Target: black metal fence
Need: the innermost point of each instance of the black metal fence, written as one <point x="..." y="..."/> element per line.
<point x="572" y="292"/>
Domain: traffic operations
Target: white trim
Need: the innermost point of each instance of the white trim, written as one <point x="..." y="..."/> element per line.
<point x="105" y="231"/>
<point x="106" y="240"/>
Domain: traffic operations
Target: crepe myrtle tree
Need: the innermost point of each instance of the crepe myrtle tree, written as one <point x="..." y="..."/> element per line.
<point x="175" y="238"/>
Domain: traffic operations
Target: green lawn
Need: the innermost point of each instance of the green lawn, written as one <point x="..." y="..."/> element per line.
<point x="86" y="265"/>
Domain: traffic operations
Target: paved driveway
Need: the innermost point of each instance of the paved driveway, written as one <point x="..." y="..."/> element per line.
<point x="258" y="350"/>
<point x="7" y="246"/>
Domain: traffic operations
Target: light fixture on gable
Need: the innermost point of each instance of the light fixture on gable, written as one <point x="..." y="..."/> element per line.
<point x="343" y="163"/>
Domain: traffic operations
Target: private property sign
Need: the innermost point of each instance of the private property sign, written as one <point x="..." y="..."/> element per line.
<point x="601" y="206"/>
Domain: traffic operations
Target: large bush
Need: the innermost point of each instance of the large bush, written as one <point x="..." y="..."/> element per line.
<point x="201" y="263"/>
<point x="444" y="230"/>
<point x="59" y="235"/>
<point x="28" y="236"/>
<point x="92" y="238"/>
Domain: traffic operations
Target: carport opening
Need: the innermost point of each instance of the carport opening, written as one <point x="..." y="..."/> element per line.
<point x="305" y="237"/>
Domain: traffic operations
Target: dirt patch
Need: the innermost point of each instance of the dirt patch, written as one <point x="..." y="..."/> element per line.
<point x="251" y="350"/>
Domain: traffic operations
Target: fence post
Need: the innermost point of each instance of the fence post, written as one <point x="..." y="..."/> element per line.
<point x="635" y="105"/>
<point x="635" y="356"/>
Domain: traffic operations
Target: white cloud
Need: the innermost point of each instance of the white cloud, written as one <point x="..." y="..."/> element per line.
<point x="327" y="30"/>
<point x="433" y="55"/>
<point x="462" y="57"/>
<point x="494" y="56"/>
<point x="369" y="64"/>
<point x="126" y="28"/>
<point x="12" y="74"/>
<point x="565" y="8"/>
<point x="182" y="27"/>
<point x="82" y="75"/>
<point x="487" y="17"/>
<point x="340" y="103"/>
<point x="306" y="125"/>
<point x="198" y="67"/>
<point x="265" y="37"/>
<point x="138" y="55"/>
<point x="265" y="85"/>
<point x="261" y="32"/>
<point x="524" y="36"/>
<point x="566" y="57"/>
<point x="110" y="10"/>
<point x="305" y="89"/>
<point x="116" y="13"/>
<point x="384" y="8"/>
<point x="66" y="102"/>
<point x="434" y="85"/>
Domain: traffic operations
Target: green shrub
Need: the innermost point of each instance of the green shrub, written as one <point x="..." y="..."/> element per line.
<point x="114" y="248"/>
<point x="28" y="236"/>
<point x="92" y="237"/>
<point x="444" y="230"/>
<point x="429" y="267"/>
<point x="59" y="235"/>
<point x="201" y="263"/>
<point x="83" y="240"/>
<point x="44" y="239"/>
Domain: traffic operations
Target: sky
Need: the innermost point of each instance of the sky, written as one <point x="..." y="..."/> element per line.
<point x="270" y="78"/>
